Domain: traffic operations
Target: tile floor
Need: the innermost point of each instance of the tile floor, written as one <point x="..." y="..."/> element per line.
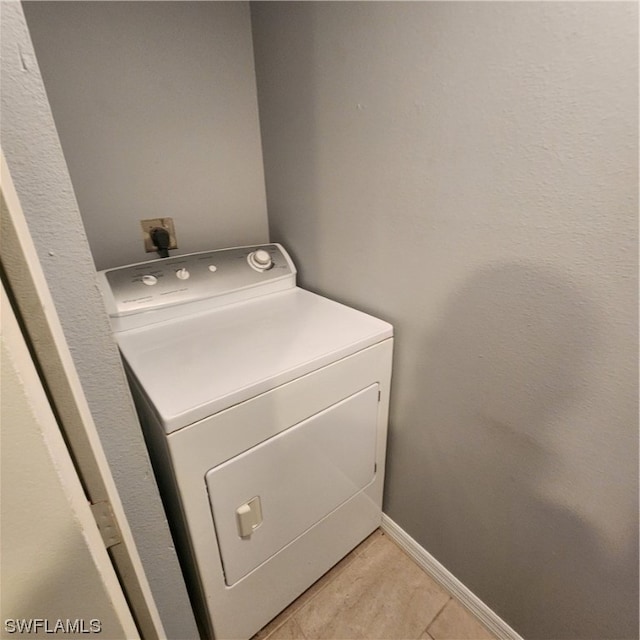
<point x="375" y="592"/>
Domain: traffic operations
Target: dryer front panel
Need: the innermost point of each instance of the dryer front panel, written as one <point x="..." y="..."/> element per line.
<point x="266" y="497"/>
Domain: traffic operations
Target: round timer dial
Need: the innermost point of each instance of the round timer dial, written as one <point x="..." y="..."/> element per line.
<point x="260" y="260"/>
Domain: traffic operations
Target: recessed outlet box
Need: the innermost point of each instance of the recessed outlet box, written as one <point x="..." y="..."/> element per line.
<point x="165" y="223"/>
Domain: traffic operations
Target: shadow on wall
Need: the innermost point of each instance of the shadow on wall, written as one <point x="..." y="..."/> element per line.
<point x="495" y="385"/>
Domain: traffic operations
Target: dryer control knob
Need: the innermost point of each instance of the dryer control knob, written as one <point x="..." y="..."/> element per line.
<point x="182" y="274"/>
<point x="260" y="260"/>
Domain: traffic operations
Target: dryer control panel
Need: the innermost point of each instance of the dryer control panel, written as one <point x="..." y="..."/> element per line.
<point x="228" y="275"/>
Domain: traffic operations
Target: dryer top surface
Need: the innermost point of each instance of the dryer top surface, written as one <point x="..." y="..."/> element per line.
<point x="192" y="367"/>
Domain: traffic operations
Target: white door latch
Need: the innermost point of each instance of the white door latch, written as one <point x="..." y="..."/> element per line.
<point x="249" y="517"/>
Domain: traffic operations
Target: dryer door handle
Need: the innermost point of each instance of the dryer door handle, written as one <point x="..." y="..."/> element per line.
<point x="249" y="517"/>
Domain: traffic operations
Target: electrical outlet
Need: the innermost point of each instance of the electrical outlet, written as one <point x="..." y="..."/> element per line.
<point x="165" y="223"/>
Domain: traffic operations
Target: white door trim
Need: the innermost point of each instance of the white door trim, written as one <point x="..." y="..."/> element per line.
<point x="34" y="303"/>
<point x="31" y="413"/>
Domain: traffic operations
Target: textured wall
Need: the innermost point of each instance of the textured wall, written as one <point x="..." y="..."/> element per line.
<point x="35" y="160"/>
<point x="469" y="172"/>
<point x="155" y="105"/>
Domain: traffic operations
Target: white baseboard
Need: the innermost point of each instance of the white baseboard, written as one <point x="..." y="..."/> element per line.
<point x="491" y="620"/>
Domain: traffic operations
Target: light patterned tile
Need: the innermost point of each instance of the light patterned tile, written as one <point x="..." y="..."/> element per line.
<point x="270" y="628"/>
<point x="381" y="594"/>
<point x="456" y="623"/>
<point x="315" y="588"/>
<point x="290" y="630"/>
<point x="367" y="542"/>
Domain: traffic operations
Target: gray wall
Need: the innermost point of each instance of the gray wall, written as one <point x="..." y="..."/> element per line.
<point x="155" y="105"/>
<point x="469" y="171"/>
<point x="33" y="153"/>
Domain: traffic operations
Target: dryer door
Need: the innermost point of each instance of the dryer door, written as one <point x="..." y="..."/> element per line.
<point x="269" y="495"/>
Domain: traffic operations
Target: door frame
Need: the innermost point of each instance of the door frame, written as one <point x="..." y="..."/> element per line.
<point x="41" y="326"/>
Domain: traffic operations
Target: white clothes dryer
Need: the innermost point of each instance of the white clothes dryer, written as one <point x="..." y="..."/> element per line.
<point x="264" y="407"/>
